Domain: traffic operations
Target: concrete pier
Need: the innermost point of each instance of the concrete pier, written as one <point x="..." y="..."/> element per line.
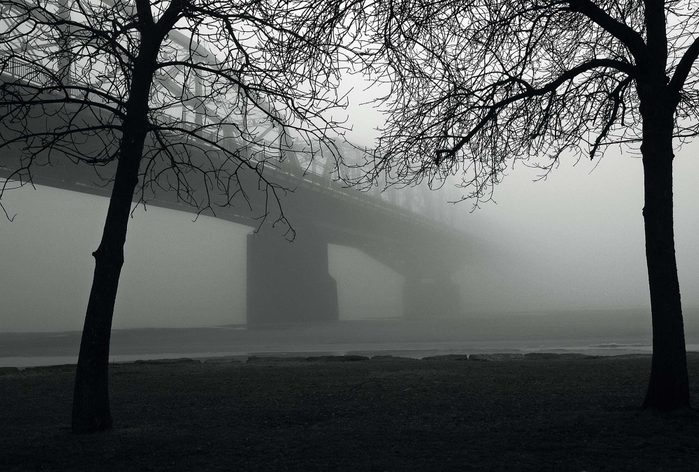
<point x="288" y="282"/>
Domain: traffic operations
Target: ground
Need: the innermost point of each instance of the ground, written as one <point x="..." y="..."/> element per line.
<point x="510" y="413"/>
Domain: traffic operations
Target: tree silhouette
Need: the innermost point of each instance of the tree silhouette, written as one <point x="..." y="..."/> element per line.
<point x="198" y="98"/>
<point x="476" y="85"/>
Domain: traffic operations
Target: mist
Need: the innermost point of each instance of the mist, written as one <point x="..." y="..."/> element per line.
<point x="572" y="242"/>
<point x="568" y="244"/>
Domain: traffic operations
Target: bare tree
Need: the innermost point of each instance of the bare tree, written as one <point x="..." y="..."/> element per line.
<point x="479" y="84"/>
<point x="199" y="98"/>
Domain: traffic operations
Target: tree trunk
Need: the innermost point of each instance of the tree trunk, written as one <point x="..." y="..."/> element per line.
<point x="668" y="388"/>
<point x="91" y="395"/>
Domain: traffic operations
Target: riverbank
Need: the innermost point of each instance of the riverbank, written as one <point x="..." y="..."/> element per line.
<point x="513" y="412"/>
<point x="592" y="333"/>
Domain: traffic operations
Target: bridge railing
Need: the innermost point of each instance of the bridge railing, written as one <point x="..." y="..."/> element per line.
<point x="15" y="67"/>
<point x="201" y="116"/>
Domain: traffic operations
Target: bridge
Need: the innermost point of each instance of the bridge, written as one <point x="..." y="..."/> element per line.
<point x="287" y="281"/>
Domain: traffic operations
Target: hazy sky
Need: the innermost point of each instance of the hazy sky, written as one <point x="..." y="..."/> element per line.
<point x="573" y="241"/>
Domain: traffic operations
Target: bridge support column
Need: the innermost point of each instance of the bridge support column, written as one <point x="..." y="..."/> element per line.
<point x="288" y="282"/>
<point x="430" y="297"/>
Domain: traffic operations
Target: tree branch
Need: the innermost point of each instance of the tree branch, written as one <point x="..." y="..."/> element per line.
<point x="630" y="38"/>
<point x="684" y="68"/>
<point x="535" y="92"/>
<point x="172" y="14"/>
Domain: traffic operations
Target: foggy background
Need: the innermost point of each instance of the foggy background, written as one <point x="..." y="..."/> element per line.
<point x="572" y="242"/>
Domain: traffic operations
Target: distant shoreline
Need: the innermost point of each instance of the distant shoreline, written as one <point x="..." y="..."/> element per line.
<point x="291" y="357"/>
<point x="32" y="362"/>
<point x="402" y="338"/>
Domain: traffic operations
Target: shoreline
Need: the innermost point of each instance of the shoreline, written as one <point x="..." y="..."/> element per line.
<point x="360" y="356"/>
<point x="404" y="339"/>
<point x="28" y="362"/>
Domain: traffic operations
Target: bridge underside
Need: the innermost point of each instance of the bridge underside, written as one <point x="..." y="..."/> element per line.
<point x="289" y="282"/>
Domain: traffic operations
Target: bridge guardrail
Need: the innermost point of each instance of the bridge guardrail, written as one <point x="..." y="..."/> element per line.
<point x="26" y="71"/>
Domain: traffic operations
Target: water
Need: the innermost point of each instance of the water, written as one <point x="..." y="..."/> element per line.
<point x="406" y="338"/>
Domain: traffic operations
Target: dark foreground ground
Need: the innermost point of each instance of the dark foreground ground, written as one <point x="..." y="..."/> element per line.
<point x="521" y="413"/>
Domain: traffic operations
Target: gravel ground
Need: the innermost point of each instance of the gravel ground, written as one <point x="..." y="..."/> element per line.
<point x="509" y="413"/>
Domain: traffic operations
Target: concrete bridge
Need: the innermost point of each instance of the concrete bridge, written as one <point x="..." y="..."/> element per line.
<point x="287" y="281"/>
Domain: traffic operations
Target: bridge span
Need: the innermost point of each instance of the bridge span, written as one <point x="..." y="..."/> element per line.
<point x="288" y="281"/>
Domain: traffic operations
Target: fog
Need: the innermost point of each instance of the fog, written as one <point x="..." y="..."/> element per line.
<point x="178" y="272"/>
<point x="572" y="242"/>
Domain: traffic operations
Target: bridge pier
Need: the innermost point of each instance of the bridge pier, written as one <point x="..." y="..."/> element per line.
<point x="288" y="282"/>
<point x="429" y="297"/>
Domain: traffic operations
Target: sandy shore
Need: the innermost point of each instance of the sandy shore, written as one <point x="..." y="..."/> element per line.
<point x="537" y="412"/>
